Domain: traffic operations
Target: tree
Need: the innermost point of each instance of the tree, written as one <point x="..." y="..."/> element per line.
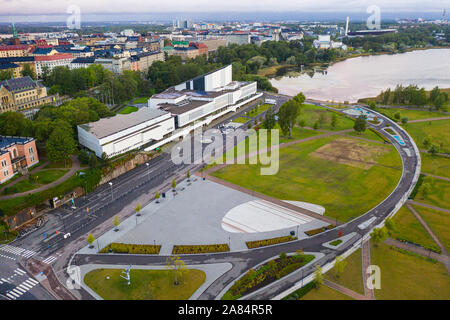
<point x="116" y="223"/>
<point x="339" y="266"/>
<point x="27" y="71"/>
<point x="138" y="209"/>
<point x="318" y="277"/>
<point x="427" y="142"/>
<point x="390" y="226"/>
<point x="269" y="122"/>
<point x="360" y="124"/>
<point x="83" y="156"/>
<point x="60" y="145"/>
<point x="379" y="235"/>
<point x="433" y="149"/>
<point x="397" y="116"/>
<point x="316" y="125"/>
<point x="6" y="74"/>
<point x="90" y="240"/>
<point x="322" y="119"/>
<point x="334" y="121"/>
<point x="178" y="266"/>
<point x="372" y="104"/>
<point x="157" y="196"/>
<point x="93" y="161"/>
<point x="287" y="115"/>
<point x="300" y="98"/>
<point x="174" y="184"/>
<point x="302" y="123"/>
<point x="188" y="175"/>
<point x="404" y="120"/>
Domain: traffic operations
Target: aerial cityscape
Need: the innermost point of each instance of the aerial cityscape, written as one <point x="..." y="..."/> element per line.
<point x="241" y="154"/>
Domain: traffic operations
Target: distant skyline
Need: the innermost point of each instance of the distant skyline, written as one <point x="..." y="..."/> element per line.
<point x="166" y="10"/>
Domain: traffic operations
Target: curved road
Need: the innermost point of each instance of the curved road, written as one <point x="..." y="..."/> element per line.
<point x="242" y="261"/>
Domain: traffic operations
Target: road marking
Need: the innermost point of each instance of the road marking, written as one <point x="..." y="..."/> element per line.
<point x="33" y="281"/>
<point x="17" y="251"/>
<point x="19" y="291"/>
<point x="15" y="294"/>
<point x="20" y="272"/>
<point x="367" y="223"/>
<point x="4" y="280"/>
<point x="11" y="296"/>
<point x="50" y="260"/>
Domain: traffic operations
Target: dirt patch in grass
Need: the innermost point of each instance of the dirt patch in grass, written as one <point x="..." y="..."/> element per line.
<point x="350" y="152"/>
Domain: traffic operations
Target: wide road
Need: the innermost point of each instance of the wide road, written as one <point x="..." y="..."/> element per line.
<point x="242" y="261"/>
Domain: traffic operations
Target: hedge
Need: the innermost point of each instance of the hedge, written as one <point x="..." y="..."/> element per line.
<point x="379" y="134"/>
<point x="319" y="230"/>
<point x="416" y="188"/>
<point x="194" y="249"/>
<point x="336" y="242"/>
<point x="297" y="294"/>
<point x="268" y="242"/>
<point x="131" y="248"/>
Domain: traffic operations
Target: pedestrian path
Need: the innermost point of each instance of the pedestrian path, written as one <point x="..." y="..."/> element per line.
<point x="17" y="251"/>
<point x="50" y="260"/>
<point x="368" y="292"/>
<point x="22" y="288"/>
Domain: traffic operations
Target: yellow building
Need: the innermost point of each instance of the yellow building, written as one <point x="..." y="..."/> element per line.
<point x="21" y="94"/>
<point x="15" y="51"/>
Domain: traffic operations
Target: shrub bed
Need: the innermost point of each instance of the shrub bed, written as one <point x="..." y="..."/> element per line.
<point x="336" y="242"/>
<point x="266" y="274"/>
<point x="298" y="294"/>
<point x="268" y="242"/>
<point x="417" y="187"/>
<point x="319" y="230"/>
<point x="390" y="131"/>
<point x="210" y="248"/>
<point x="379" y="134"/>
<point x="131" y="248"/>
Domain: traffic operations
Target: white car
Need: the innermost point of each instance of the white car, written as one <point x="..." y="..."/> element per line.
<point x="67" y="235"/>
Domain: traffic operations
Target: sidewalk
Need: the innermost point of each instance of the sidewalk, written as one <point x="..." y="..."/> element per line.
<point x="44" y="164"/>
<point x="344" y="290"/>
<point x="369" y="294"/>
<point x="427" y="206"/>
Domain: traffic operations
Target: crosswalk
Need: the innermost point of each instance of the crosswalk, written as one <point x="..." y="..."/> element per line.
<point x="17" y="251"/>
<point x="50" y="260"/>
<point x="22" y="288"/>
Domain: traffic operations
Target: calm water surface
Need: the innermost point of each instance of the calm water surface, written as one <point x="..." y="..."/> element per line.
<point x="363" y="77"/>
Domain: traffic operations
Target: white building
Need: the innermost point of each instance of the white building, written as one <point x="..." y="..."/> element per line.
<point x="50" y="62"/>
<point x="126" y="132"/>
<point x="325" y="42"/>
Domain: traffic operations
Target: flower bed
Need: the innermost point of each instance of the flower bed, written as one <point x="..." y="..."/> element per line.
<point x="319" y="230"/>
<point x="266" y="274"/>
<point x="210" y="248"/>
<point x="131" y="248"/>
<point x="268" y="242"/>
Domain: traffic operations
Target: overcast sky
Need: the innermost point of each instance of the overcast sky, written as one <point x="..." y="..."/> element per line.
<point x="28" y="7"/>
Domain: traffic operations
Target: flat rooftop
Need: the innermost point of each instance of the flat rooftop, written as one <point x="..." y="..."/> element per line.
<point x="108" y="126"/>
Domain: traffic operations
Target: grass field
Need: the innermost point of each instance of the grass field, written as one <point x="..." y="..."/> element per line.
<point x="241" y="120"/>
<point x="368" y="134"/>
<point x="256" y="112"/>
<point x="128" y="110"/>
<point x="438" y="131"/>
<point x="325" y="293"/>
<point x="145" y="284"/>
<point x="352" y="276"/>
<point x="311" y="113"/>
<point x="439" y="222"/>
<point x="48" y="176"/>
<point x="141" y="100"/>
<point x="436" y="165"/>
<point x="343" y="187"/>
<point x="409" y="228"/>
<point x="20" y="187"/>
<point x="407" y="277"/>
<point x="410" y="114"/>
<point x="438" y="194"/>
<point x="59" y="164"/>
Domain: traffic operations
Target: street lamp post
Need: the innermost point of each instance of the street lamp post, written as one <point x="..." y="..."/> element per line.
<point x="112" y="195"/>
<point x="297" y="231"/>
<point x="148" y="170"/>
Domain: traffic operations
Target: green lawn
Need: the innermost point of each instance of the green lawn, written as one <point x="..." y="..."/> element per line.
<point x="407" y="277"/>
<point x="352" y="276"/>
<point x="128" y="110"/>
<point x="311" y="113"/>
<point x="325" y="293"/>
<point x="439" y="222"/>
<point x="409" y="228"/>
<point x="368" y="134"/>
<point x="438" y="131"/>
<point x="438" y="195"/>
<point x="256" y="112"/>
<point x="48" y="176"/>
<point x="241" y="120"/>
<point x="59" y="164"/>
<point x="410" y="114"/>
<point x="436" y="165"/>
<point x="145" y="284"/>
<point x="141" y="100"/>
<point x="345" y="191"/>
<point x="20" y="187"/>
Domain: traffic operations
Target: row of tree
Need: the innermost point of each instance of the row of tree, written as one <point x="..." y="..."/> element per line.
<point x="413" y="95"/>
